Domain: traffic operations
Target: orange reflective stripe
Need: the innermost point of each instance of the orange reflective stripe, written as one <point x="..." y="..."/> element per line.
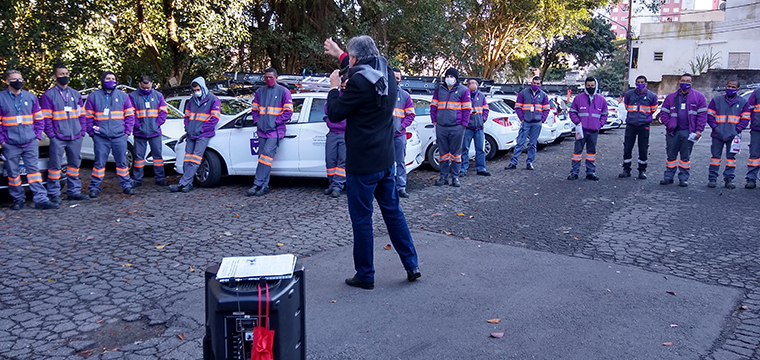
<point x="34" y="178"/>
<point x="99" y="173"/>
<point x="122" y="171"/>
<point x="193" y="158"/>
<point x="54" y="174"/>
<point x="670" y="164"/>
<point x="731" y="162"/>
<point x="340" y="172"/>
<point x="754" y="162"/>
<point x="139" y="163"/>
<point x="72" y="171"/>
<point x="576" y="157"/>
<point x="714" y="162"/>
<point x="684" y="164"/>
<point x="445" y="157"/>
<point x="158" y="162"/>
<point x="262" y="161"/>
<point x="14" y="181"/>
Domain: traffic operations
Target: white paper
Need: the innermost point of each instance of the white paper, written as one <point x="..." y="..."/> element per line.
<point x="147" y="104"/>
<point x="18" y="119"/>
<point x="255" y="267"/>
<point x="106" y="111"/>
<point x="683" y="106"/>
<point x="67" y="108"/>
<point x="736" y="144"/>
<point x="578" y="132"/>
<point x="693" y="138"/>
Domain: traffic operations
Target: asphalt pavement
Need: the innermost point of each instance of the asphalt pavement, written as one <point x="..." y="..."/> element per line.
<point x="574" y="269"/>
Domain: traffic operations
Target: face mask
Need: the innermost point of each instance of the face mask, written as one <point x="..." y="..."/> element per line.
<point x="198" y="93"/>
<point x="109" y="84"/>
<point x="535" y="87"/>
<point x="270" y="82"/>
<point x="451" y="81"/>
<point x="685" y="86"/>
<point x="63" y="80"/>
<point x="641" y="87"/>
<point x="590" y="90"/>
<point x="731" y="92"/>
<point x="145" y="91"/>
<point x="17" y="84"/>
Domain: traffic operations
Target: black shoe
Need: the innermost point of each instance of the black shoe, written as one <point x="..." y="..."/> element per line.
<point x="129" y="191"/>
<point x="642" y="175"/>
<point x="335" y="193"/>
<point x="712" y="183"/>
<point x="626" y="173"/>
<point x="265" y="190"/>
<point x="462" y="174"/>
<point x="186" y="189"/>
<point x="327" y="191"/>
<point x="441" y="182"/>
<point x="356" y="283"/>
<point x="750" y="184"/>
<point x="403" y="194"/>
<point x="77" y="197"/>
<point x="484" y="173"/>
<point x="136" y="184"/>
<point x="412" y="275"/>
<point x="94" y="194"/>
<point x="45" y="205"/>
<point x="17" y="205"/>
<point x="592" y="177"/>
<point x="175" y="187"/>
<point x="55" y="199"/>
<point x="683" y="183"/>
<point x="252" y="191"/>
<point x="529" y="167"/>
<point x="510" y="167"/>
<point x="455" y="182"/>
<point x="666" y="182"/>
<point x="162" y="183"/>
<point x="730" y="185"/>
<point x="572" y="177"/>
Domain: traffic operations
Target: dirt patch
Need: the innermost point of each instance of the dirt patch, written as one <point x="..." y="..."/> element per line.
<point x="110" y="337"/>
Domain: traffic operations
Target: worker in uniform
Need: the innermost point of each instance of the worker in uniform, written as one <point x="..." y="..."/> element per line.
<point x="590" y="111"/>
<point x="150" y="112"/>
<point x="474" y="131"/>
<point x="727" y="116"/>
<point x="110" y="120"/>
<point x="640" y="104"/>
<point x="20" y="133"/>
<point x="532" y="108"/>
<point x="65" y="125"/>
<point x="753" y="166"/>
<point x="335" y="152"/>
<point x="403" y="116"/>
<point x="272" y="108"/>
<point x="202" y="113"/>
<point x="450" y="114"/>
<point x="684" y="114"/>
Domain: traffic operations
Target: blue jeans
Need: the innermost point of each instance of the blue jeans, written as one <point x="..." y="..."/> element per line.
<point x="360" y="190"/>
<point x="530" y="130"/>
<point x="480" y="153"/>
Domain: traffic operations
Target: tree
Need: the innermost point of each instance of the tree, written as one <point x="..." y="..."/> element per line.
<point x="610" y="73"/>
<point x="591" y="46"/>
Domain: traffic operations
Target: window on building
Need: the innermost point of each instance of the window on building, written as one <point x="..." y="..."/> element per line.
<point x="675" y="18"/>
<point x="738" y="60"/>
<point x="675" y="10"/>
<point x="664" y="10"/>
<point x="676" y="1"/>
<point x="615" y="10"/>
<point x="658" y="56"/>
<point x="635" y="58"/>
<point x="613" y="27"/>
<point x="614" y="18"/>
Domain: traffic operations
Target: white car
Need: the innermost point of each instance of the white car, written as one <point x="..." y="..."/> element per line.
<point x="231" y="107"/>
<point x="301" y="153"/>
<point x="171" y="131"/>
<point x="500" y="129"/>
<point x="42" y="164"/>
<point x="549" y="129"/>
<point x="613" y="120"/>
<point x="559" y="107"/>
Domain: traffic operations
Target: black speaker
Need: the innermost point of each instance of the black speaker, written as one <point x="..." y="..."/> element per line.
<point x="232" y="313"/>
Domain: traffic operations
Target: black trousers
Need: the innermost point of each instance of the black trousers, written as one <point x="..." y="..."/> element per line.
<point x="631" y="133"/>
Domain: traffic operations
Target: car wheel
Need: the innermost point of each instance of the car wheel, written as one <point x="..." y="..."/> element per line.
<point x="490" y="148"/>
<point x="432" y="157"/>
<point x="130" y="156"/>
<point x="210" y="170"/>
<point x="559" y="140"/>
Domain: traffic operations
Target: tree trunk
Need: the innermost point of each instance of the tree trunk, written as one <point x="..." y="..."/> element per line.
<point x="176" y="47"/>
<point x="147" y="38"/>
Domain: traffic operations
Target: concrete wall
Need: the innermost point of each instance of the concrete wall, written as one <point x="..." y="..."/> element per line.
<point x="710" y="83"/>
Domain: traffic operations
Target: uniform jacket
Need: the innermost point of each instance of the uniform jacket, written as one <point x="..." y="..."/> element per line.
<point x="451" y="107"/>
<point x="589" y="111"/>
<point x="639" y="107"/>
<point x="202" y="114"/>
<point x="754" y="108"/>
<point x="530" y="108"/>
<point x="272" y="108"/>
<point x="335" y="127"/>
<point x="113" y="113"/>
<point x="22" y="118"/>
<point x="150" y="117"/>
<point x="64" y="113"/>
<point x="727" y="117"/>
<point x="479" y="114"/>
<point x="403" y="113"/>
<point x="696" y="104"/>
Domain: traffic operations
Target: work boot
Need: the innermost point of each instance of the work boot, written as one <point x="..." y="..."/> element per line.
<point x="626" y="173"/>
<point x="327" y="191"/>
<point x="17" y="205"/>
<point x="642" y="174"/>
<point x="572" y="177"/>
<point x="265" y="190"/>
<point x="730" y="184"/>
<point x="683" y="183"/>
<point x="45" y="205"/>
<point x="175" y="187"/>
<point x="94" y="194"/>
<point x="484" y="173"/>
<point x="403" y="194"/>
<point x="335" y="193"/>
<point x="455" y="182"/>
<point x="252" y="191"/>
<point x="162" y="183"/>
<point x="510" y="167"/>
<point x="128" y="191"/>
<point x="77" y="197"/>
<point x="55" y="199"/>
<point x="186" y="189"/>
<point x="592" y="177"/>
<point x="712" y="183"/>
<point x="441" y="181"/>
<point x="750" y="184"/>
<point x="666" y="182"/>
<point x="136" y="184"/>
<point x="529" y="166"/>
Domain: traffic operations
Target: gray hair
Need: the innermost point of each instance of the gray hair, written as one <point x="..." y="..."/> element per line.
<point x="363" y="48"/>
<point x="10" y="72"/>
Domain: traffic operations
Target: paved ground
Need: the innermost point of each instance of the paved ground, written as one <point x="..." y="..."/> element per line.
<point x="121" y="277"/>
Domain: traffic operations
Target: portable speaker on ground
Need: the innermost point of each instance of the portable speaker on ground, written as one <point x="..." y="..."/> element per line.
<point x="232" y="311"/>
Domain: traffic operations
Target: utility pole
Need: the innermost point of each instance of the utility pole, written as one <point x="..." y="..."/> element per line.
<point x="628" y="51"/>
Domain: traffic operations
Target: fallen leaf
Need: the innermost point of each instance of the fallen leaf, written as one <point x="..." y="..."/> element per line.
<point x="164" y="245"/>
<point x="671" y="292"/>
<point x="364" y="331"/>
<point x="667" y="344"/>
<point x="744" y="307"/>
<point x="333" y="301"/>
<point x="387" y="247"/>
<point x="280" y="244"/>
<point x="99" y="321"/>
<point x="90" y="237"/>
<point x="447" y="233"/>
<point x="472" y="216"/>
<point x="237" y="216"/>
<point x="498" y="335"/>
<point x="447" y="199"/>
<point x="127" y="264"/>
<point x="191" y="269"/>
<point x="494" y="321"/>
<point x="227" y="233"/>
<point x="673" y="325"/>
<point x="460" y="214"/>
<point x="181" y="336"/>
<point x="576" y="238"/>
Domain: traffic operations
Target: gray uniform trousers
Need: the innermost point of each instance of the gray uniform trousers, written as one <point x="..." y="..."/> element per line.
<point x="194" y="150"/>
<point x="30" y="154"/>
<point x="753" y="166"/>
<point x="267" y="150"/>
<point x="73" y="151"/>
<point x="335" y="160"/>
<point x="449" y="140"/>
<point x="141" y="145"/>
<point x="103" y="147"/>
<point x="399" y="145"/>
<point x="676" y="144"/>
<point x="716" y="148"/>
<point x="589" y="141"/>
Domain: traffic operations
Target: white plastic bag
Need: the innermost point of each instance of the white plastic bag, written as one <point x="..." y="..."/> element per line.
<point x="736" y="144"/>
<point x="578" y="132"/>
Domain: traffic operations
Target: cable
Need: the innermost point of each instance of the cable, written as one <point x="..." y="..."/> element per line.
<point x="700" y="32"/>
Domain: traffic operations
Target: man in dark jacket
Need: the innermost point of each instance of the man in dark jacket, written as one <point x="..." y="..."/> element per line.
<point x="532" y="108"/>
<point x="589" y="110"/>
<point x="151" y="112"/>
<point x="450" y="113"/>
<point x="367" y="105"/>
<point x="640" y="104"/>
<point x="474" y="131"/>
<point x="727" y="115"/>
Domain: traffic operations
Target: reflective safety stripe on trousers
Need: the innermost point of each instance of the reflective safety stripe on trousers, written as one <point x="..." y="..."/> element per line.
<point x="577" y="157"/>
<point x="72" y="171"/>
<point x="54" y="174"/>
<point x="193" y="158"/>
<point x="99" y="172"/>
<point x="266" y="160"/>
<point x="753" y="162"/>
<point x="14" y="181"/>
<point x="122" y="172"/>
<point x="34" y="178"/>
<point x="139" y="164"/>
<point x="684" y="164"/>
<point x="336" y="171"/>
<point x="714" y="162"/>
<point x="671" y="164"/>
<point x="158" y="162"/>
<point x="590" y="157"/>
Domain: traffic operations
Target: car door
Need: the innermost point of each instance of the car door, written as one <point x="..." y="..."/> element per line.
<point x="312" y="138"/>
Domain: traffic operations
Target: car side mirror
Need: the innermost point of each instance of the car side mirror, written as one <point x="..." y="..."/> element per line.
<point x="238" y="124"/>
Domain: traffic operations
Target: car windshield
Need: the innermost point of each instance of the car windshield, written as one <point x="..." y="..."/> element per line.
<point x="500" y="106"/>
<point x="234" y="106"/>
